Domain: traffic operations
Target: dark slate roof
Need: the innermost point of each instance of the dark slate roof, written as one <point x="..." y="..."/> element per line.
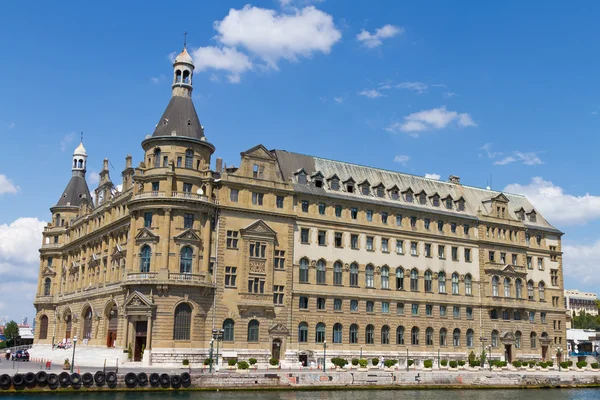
<point x="73" y="194"/>
<point x="180" y="117"/>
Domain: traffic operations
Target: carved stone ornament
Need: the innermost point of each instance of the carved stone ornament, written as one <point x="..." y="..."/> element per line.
<point x="346" y="267"/>
<point x="257" y="265"/>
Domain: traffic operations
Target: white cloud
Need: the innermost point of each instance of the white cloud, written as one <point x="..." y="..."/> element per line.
<point x="581" y="262"/>
<point x="528" y="158"/>
<point x="66" y="141"/>
<point x="372" y="40"/>
<point x="339" y="99"/>
<point x="436" y="118"/>
<point x="7" y="186"/>
<point x="449" y="94"/>
<point x="556" y="205"/>
<point x="418" y="87"/>
<point x="433" y="176"/>
<point x="11" y="125"/>
<point x="401" y="159"/>
<point x="158" y="79"/>
<point x="94" y="178"/>
<point x="488" y="150"/>
<point x="370" y="93"/>
<point x="226" y="59"/>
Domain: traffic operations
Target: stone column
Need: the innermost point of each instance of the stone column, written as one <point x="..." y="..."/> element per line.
<point x="166" y="238"/>
<point x="205" y="242"/>
<point x="131" y="243"/>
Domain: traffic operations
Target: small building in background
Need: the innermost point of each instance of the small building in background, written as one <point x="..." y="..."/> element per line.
<point x="577" y="301"/>
<point x="583" y="342"/>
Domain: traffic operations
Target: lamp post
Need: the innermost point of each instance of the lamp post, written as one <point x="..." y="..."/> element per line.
<point x="73" y="359"/>
<point x="490" y="360"/>
<point x="438" y="358"/>
<point x="324" y="355"/>
<point x="210" y="354"/>
<point x="407" y="359"/>
<point x="217" y="335"/>
<point x="558" y="357"/>
<point x="360" y="352"/>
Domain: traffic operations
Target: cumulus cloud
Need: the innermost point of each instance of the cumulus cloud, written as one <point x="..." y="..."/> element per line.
<point x="339" y="99"/>
<point x="158" y="79"/>
<point x="556" y="205"/>
<point x="434" y="119"/>
<point x="372" y="40"/>
<point x="528" y="158"/>
<point x="7" y="186"/>
<point x="581" y="262"/>
<point x="401" y="159"/>
<point x="370" y="93"/>
<point x="226" y="59"/>
<point x="418" y="87"/>
<point x="433" y="176"/>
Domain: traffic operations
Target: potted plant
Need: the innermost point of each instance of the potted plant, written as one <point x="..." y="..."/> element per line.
<point x="595" y="365"/>
<point x="186" y="361"/>
<point x="453" y="365"/>
<point x="461" y="364"/>
<point x="242" y="366"/>
<point x="374" y="363"/>
<point x="389" y="364"/>
<point x="231" y="363"/>
<point x="66" y="364"/>
<point x="427" y="365"/>
<point x="363" y="365"/>
<point x="252" y="362"/>
<point x="273" y="361"/>
<point x="411" y="363"/>
<point x="354" y="363"/>
<point x="564" y="365"/>
<point x="444" y="364"/>
<point x="517" y="364"/>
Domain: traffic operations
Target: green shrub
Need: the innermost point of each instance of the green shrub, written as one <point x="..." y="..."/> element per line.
<point x="471" y="358"/>
<point x="564" y="364"/>
<point x="390" y="363"/>
<point x="273" y="361"/>
<point x="516" y="364"/>
<point x="243" y="365"/>
<point x="570" y="363"/>
<point x="444" y="363"/>
<point x="428" y="363"/>
<point x="474" y="362"/>
<point x="207" y="361"/>
<point x="594" y="365"/>
<point x="411" y="362"/>
<point x="252" y="361"/>
<point x="453" y="364"/>
<point x="461" y="363"/>
<point x="232" y="361"/>
<point x="549" y="364"/>
<point x="339" y="362"/>
<point x="363" y="363"/>
<point x="543" y="364"/>
<point x="581" y="364"/>
<point x="375" y="361"/>
<point x="186" y="361"/>
<point x="3" y="344"/>
<point x="355" y="361"/>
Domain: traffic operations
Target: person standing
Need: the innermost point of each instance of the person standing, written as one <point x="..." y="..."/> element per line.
<point x="7" y="354"/>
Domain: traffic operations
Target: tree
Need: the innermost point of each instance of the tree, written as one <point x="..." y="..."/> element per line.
<point x="11" y="332"/>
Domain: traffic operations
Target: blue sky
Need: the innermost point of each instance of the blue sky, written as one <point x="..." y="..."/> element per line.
<point x="504" y="91"/>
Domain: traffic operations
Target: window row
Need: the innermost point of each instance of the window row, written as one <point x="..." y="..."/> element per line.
<point x="516" y="315"/>
<point x="518" y="288"/>
<point x="186" y="257"/>
<point x="163" y="161"/>
<point x="188" y="219"/>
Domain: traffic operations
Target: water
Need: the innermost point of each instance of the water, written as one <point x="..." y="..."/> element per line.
<point x="509" y="394"/>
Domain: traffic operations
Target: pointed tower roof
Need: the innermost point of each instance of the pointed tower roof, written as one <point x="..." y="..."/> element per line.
<point x="179" y="119"/>
<point x="184" y="57"/>
<point x="80" y="150"/>
<point x="77" y="192"/>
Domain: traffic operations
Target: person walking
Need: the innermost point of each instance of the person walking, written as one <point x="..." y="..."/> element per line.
<point x="7" y="354"/>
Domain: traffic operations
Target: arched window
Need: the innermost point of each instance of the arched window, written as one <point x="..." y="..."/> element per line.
<point x="369" y="278"/>
<point x="495" y="281"/>
<point x="385" y="334"/>
<point x="400" y="335"/>
<point x="185" y="260"/>
<point x="470" y="341"/>
<point x="494" y="338"/>
<point x="80" y="163"/>
<point x="303" y="270"/>
<point x="320" y="333"/>
<point x="337" y="333"/>
<point x="442" y="282"/>
<point x="456" y="337"/>
<point x="468" y="285"/>
<point x="533" y="340"/>
<point x="178" y="76"/>
<point x="68" y="325"/>
<point x="302" y="332"/>
<point x="370" y="334"/>
<point x="399" y="278"/>
<point x="189" y="159"/>
<point x="47" y="285"/>
<point x="353" y="274"/>
<point x="156" y="158"/>
<point x="414" y="336"/>
<point x="541" y="288"/>
<point x="385" y="277"/>
<point x="43" y="327"/>
<point x="57" y="220"/>
<point x="455" y="283"/>
<point x="186" y="76"/>
<point x="145" y="258"/>
<point x="321" y="273"/>
<point x="414" y="280"/>
<point x="429" y="336"/>
<point x="87" y="323"/>
<point x="183" y="322"/>
<point x="518" y="336"/>
<point x="353" y="333"/>
<point x="443" y="337"/>
<point x="337" y="273"/>
<point x="530" y="290"/>
<point x="253" y="330"/>
<point x="518" y="288"/>
<point x="428" y="281"/>
<point x="228" y="330"/>
<point x="506" y="287"/>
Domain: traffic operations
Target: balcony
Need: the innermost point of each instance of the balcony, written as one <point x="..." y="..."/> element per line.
<point x="51" y="245"/>
<point x="44" y="300"/>
<point x="189" y="196"/>
<point x="150" y="195"/>
<point x="170" y="278"/>
<point x="174" y="195"/>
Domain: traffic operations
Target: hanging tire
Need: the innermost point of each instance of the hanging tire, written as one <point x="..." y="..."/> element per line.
<point x="87" y="379"/>
<point x="30" y="379"/>
<point x="185" y="379"/>
<point x="64" y="379"/>
<point x="41" y="378"/>
<point x="75" y="380"/>
<point x="130" y="380"/>
<point x="154" y="379"/>
<point x="52" y="381"/>
<point x="5" y="381"/>
<point x="142" y="379"/>
<point x="111" y="379"/>
<point x="99" y="378"/>
<point x="165" y="381"/>
<point x="18" y="381"/>
<point x="175" y="382"/>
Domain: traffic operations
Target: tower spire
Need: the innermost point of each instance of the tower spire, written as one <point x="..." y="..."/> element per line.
<point x="183" y="70"/>
<point x="184" y="39"/>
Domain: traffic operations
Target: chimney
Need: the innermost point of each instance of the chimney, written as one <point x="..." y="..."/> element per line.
<point x="105" y="165"/>
<point x="219" y="165"/>
<point x="128" y="161"/>
<point x="454" y="179"/>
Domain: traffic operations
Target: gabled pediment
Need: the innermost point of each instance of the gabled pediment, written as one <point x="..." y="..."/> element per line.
<point x="301" y="171"/>
<point x="408" y="190"/>
<point x="501" y="198"/>
<point x="146" y="235"/>
<point x="279" y="329"/>
<point x="395" y="187"/>
<point x="459" y="199"/>
<point x="258" y="151"/>
<point x="317" y="175"/>
<point x="364" y="182"/>
<point x="349" y="180"/>
<point x="138" y="300"/>
<point x="421" y="192"/>
<point x="436" y="194"/>
<point x="447" y="197"/>
<point x="259" y="227"/>
<point x="47" y="271"/>
<point x="334" y="176"/>
<point x="532" y="212"/>
<point x="520" y="210"/>
<point x="509" y="270"/>
<point x="189" y="235"/>
<point x="379" y="185"/>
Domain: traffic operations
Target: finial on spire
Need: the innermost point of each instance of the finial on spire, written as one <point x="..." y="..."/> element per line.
<point x="184" y="39"/>
<point x="81" y="136"/>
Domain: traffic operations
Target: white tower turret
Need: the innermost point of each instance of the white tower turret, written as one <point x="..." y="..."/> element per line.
<point x="79" y="160"/>
<point x="183" y="70"/>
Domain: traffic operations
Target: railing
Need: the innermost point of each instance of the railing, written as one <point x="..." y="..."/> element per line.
<point x="140" y="276"/>
<point x="43" y="299"/>
<point x="583" y="353"/>
<point x="182" y="277"/>
<point x="172" y="277"/>
<point x="188" y="195"/>
<point x="51" y="245"/>
<point x="149" y="195"/>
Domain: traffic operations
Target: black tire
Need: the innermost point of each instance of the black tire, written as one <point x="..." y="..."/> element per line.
<point x="175" y="382"/>
<point x="99" y="378"/>
<point x="142" y="379"/>
<point x="18" y="380"/>
<point x="75" y="380"/>
<point x="165" y="381"/>
<point x="64" y="379"/>
<point x="5" y="381"/>
<point x="130" y="380"/>
<point x="111" y="380"/>
<point x="52" y="381"/>
<point x="30" y="379"/>
<point x="41" y="378"/>
<point x="185" y="379"/>
<point x="87" y="379"/>
<point x="154" y="379"/>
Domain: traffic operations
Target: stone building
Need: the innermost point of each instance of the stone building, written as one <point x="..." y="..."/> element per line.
<point x="289" y="254"/>
<point x="578" y="302"/>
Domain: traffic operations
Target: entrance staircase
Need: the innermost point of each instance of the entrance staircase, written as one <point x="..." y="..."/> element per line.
<point x="88" y="356"/>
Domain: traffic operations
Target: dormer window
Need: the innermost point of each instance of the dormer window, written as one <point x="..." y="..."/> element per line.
<point x="449" y="203"/>
<point x="422" y="199"/>
<point x="461" y="205"/>
<point x="379" y="190"/>
<point x="302" y="178"/>
<point x="257" y="171"/>
<point x="319" y="182"/>
<point x="532" y="216"/>
<point x="365" y="190"/>
<point x="436" y="201"/>
<point x="395" y="195"/>
<point x="350" y="188"/>
<point x="409" y="197"/>
<point x="334" y="184"/>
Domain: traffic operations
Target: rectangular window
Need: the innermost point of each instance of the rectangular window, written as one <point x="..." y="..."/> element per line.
<point x="554" y="277"/>
<point x="399" y="308"/>
<point x="230" y="276"/>
<point x="415" y="309"/>
<point x="178" y="162"/>
<point x="369" y="215"/>
<point x="399" y="219"/>
<point x="148" y="220"/>
<point x="320" y="303"/>
<point x="543" y="317"/>
<point x="454" y="253"/>
<point x="353" y="305"/>
<point x="384" y="217"/>
<point x="428" y="310"/>
<point x="514" y="259"/>
<point x="442" y="311"/>
<point x="456" y="311"/>
<point x="50" y="259"/>
<point x="527" y="238"/>
<point x="427" y="223"/>
<point x="303" y="303"/>
<point x="413" y="222"/>
<point x="354" y="241"/>
<point x="304" y="235"/>
<point x="304" y="205"/>
<point x="155" y="186"/>
<point x="279" y="201"/>
<point x="233" y="195"/>
<point x="469" y="313"/>
<point x="232" y="239"/>
<point x="338" y="239"/>
<point x="337" y="305"/>
<point x="278" y="295"/>
<point x="441" y="226"/>
<point x="531" y="316"/>
<point x="369" y="243"/>
<point x="321" y="238"/>
<point x="187" y="188"/>
<point x="491" y="255"/>
<point x="399" y="246"/>
<point x="165" y="161"/>
<point x="370" y="306"/>
<point x="466" y="229"/>
<point x="413" y="248"/>
<point x="538" y="240"/>
<point x="258" y="250"/>
<point x="256" y="285"/>
<point x="502" y="258"/>
<point x="338" y="211"/>
<point x="384" y="245"/>
<point x="322" y="208"/>
<point x="529" y="264"/>
<point x="540" y="263"/>
<point x="427" y="250"/>
<point x="354" y="213"/>
<point x="441" y="251"/>
<point x="468" y="255"/>
<point x="257" y="198"/>
<point x="279" y="259"/>
<point x="453" y="227"/>
<point x="188" y="221"/>
<point x="385" y="307"/>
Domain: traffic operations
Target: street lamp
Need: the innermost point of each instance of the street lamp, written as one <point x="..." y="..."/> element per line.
<point x="360" y="352"/>
<point x="324" y="355"/>
<point x="438" y="358"/>
<point x="217" y="335"/>
<point x="73" y="359"/>
<point x="210" y="354"/>
<point x="407" y="359"/>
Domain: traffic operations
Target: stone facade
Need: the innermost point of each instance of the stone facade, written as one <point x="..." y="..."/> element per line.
<point x="292" y="255"/>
